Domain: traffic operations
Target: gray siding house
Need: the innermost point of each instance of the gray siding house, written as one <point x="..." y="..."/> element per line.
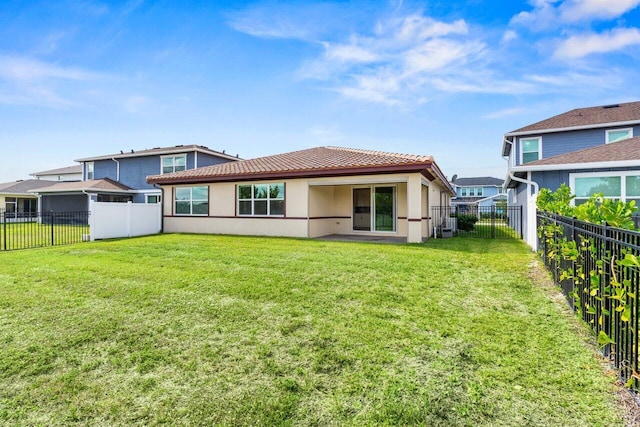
<point x="121" y="177"/>
<point x="591" y="150"/>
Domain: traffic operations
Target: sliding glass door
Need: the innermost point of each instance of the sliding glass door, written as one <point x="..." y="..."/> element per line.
<point x="374" y="208"/>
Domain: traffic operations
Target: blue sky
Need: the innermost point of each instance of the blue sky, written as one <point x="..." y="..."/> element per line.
<point x="445" y="78"/>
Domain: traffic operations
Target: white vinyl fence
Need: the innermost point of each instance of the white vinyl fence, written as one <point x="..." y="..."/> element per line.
<point x="112" y="220"/>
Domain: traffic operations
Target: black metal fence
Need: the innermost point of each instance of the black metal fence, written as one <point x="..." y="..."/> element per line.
<point x="492" y="222"/>
<point x="604" y="292"/>
<point x="24" y="230"/>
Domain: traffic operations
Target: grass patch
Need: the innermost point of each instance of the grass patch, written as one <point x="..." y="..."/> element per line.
<point x="185" y="329"/>
<point x="23" y="235"/>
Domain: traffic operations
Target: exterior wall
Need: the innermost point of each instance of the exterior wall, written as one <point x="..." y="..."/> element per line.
<point x="553" y="179"/>
<point x="313" y="208"/>
<point x="554" y="144"/>
<point x="63" y="177"/>
<point x="65" y="203"/>
<point x="134" y="170"/>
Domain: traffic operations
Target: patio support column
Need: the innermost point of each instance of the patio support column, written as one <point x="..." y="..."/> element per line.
<point x="414" y="209"/>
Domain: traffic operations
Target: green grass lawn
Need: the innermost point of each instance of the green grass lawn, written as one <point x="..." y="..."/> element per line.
<point x="204" y="330"/>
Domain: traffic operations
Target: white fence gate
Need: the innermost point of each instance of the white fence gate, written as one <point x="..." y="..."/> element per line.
<point x="111" y="220"/>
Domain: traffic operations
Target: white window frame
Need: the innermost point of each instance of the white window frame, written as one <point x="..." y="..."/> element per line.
<point x="463" y="191"/>
<point x="268" y="200"/>
<point x="609" y="131"/>
<point x="173" y="158"/>
<point x="520" y="146"/>
<point x="372" y="204"/>
<point x="479" y="191"/>
<point x="623" y="182"/>
<point x="191" y="200"/>
<point x="90" y="170"/>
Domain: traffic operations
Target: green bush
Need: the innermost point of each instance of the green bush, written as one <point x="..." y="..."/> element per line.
<point x="466" y="222"/>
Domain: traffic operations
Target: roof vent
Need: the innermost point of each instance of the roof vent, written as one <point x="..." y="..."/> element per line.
<point x="611" y="106"/>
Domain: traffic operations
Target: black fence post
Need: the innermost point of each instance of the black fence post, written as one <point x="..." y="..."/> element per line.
<point x="52" y="231"/>
<point x="4" y="229"/>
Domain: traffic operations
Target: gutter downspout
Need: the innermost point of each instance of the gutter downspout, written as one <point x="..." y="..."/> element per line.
<point x="530" y="237"/>
<point x="531" y="209"/>
<point x="117" y="169"/>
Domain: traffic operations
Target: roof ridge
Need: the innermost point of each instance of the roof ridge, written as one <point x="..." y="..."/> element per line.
<point x="379" y="152"/>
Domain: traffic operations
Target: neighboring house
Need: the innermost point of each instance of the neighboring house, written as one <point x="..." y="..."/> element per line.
<point x="121" y="177"/>
<point x="480" y="191"/>
<point x="17" y="199"/>
<point x="66" y="174"/>
<point x="309" y="193"/>
<point x="591" y="150"/>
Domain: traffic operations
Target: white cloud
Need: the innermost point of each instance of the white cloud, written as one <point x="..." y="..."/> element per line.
<point x="28" y="81"/>
<point x="27" y="69"/>
<point x="349" y="53"/>
<point x="579" y="10"/>
<point x="547" y="14"/>
<point x="509" y="36"/>
<point x="579" y="46"/>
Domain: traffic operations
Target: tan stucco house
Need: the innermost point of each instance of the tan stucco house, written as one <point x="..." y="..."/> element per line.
<point x="309" y="193"/>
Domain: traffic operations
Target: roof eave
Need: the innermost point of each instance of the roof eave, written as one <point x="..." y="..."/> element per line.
<point x="571" y="128"/>
<point x="162" y="153"/>
<point x="418" y="167"/>
<point x="567" y="166"/>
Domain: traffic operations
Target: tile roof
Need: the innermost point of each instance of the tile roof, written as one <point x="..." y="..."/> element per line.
<point x="317" y="161"/>
<point x="59" y="171"/>
<point x="626" y="150"/>
<point x="481" y="180"/>
<point x="587" y="117"/>
<point x="23" y="187"/>
<point x="92" y="186"/>
<point x="160" y="151"/>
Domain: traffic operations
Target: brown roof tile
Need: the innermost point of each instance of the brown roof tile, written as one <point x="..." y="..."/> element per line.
<point x="626" y="150"/>
<point x="317" y="161"/>
<point x="587" y="117"/>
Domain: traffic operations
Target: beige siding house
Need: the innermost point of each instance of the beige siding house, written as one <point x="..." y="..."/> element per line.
<point x="310" y="193"/>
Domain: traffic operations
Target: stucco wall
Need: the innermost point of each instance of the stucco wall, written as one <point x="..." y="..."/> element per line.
<point x="314" y="207"/>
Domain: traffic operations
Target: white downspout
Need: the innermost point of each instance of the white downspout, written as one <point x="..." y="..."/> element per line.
<point x="117" y="169"/>
<point x="531" y="237"/>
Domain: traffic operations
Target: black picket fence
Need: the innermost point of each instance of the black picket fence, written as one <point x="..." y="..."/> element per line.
<point x="489" y="222"/>
<point x="596" y="285"/>
<point x="24" y="230"/>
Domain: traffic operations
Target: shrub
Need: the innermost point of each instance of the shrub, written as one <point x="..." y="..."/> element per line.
<point x="466" y="222"/>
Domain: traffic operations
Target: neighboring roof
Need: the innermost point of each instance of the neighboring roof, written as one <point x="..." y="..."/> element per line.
<point x="60" y="171"/>
<point x="482" y="180"/>
<point x="104" y="185"/>
<point x="626" y="150"/>
<point x="23" y="187"/>
<point x="312" y="162"/>
<point x="160" y="151"/>
<point x="584" y="118"/>
<point x="621" y="154"/>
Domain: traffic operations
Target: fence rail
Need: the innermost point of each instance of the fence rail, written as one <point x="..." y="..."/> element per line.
<point x="478" y="221"/>
<point x="585" y="275"/>
<point x="24" y="230"/>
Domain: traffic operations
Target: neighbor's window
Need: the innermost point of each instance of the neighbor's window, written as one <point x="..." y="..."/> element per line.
<point x="153" y="198"/>
<point x="174" y="163"/>
<point x="463" y="191"/>
<point x="472" y="191"/>
<point x="261" y="200"/>
<point x="89" y="166"/>
<point x="632" y="188"/>
<point x="586" y="186"/>
<point x="192" y="200"/>
<point x="614" y="135"/>
<point x="530" y="149"/>
<point x="479" y="191"/>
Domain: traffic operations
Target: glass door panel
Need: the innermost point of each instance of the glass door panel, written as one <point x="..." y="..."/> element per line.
<point x="384" y="209"/>
<point x="362" y="209"/>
